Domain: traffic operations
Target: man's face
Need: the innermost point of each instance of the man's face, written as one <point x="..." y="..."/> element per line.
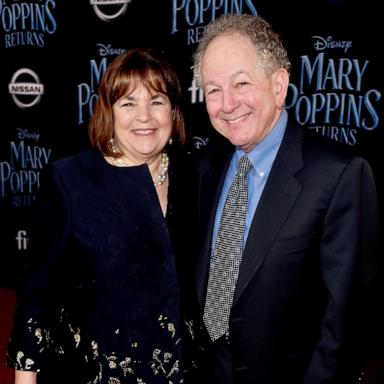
<point x="243" y="103"/>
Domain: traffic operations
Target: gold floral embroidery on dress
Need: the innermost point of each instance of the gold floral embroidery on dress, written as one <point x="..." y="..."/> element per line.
<point x="29" y="324"/>
<point x="191" y="328"/>
<point x="171" y="328"/>
<point x="125" y="366"/>
<point x="158" y="363"/>
<point x="28" y="363"/>
<point x="95" y="349"/>
<point x="112" y="362"/>
<point x="114" y="380"/>
<point x="166" y="324"/>
<point x="174" y="369"/>
<point x="42" y="340"/>
<point x="39" y="335"/>
<point x="161" y="363"/>
<point x="23" y="365"/>
<point x="167" y="357"/>
<point x="114" y="368"/>
<point x="42" y="335"/>
<point x="38" y="332"/>
<point x="76" y="334"/>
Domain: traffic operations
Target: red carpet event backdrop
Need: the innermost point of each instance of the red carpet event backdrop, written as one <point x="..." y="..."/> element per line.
<point x="54" y="52"/>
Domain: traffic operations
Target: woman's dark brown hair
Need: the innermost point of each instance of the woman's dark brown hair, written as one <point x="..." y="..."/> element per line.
<point x="128" y="70"/>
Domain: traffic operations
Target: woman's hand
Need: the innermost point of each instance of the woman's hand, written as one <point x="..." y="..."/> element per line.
<point x="25" y="377"/>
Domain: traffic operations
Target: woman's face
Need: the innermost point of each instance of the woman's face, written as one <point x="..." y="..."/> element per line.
<point x="142" y="124"/>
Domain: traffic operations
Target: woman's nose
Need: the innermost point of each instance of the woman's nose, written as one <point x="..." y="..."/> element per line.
<point x="143" y="114"/>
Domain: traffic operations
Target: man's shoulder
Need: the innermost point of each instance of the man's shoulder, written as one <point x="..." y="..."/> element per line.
<point x="316" y="145"/>
<point x="330" y="156"/>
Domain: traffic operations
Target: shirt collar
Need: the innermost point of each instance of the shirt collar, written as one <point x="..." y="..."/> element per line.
<point x="264" y="153"/>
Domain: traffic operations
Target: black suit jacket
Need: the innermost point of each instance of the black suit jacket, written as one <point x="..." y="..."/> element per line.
<point x="308" y="265"/>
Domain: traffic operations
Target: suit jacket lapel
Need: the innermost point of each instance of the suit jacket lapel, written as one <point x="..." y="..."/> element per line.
<point x="279" y="195"/>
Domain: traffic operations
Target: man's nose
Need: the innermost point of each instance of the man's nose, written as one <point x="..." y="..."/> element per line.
<point x="229" y="101"/>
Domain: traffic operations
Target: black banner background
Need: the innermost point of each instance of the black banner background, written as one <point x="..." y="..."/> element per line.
<point x="66" y="46"/>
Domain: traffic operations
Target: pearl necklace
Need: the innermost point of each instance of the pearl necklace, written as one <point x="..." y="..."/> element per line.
<point x="159" y="180"/>
<point x="163" y="170"/>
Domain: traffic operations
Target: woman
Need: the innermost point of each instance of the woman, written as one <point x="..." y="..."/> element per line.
<point x="101" y="302"/>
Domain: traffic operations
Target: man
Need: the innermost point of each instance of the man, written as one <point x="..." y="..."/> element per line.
<point x="281" y="288"/>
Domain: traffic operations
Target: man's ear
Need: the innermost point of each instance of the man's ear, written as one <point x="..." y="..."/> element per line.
<point x="280" y="86"/>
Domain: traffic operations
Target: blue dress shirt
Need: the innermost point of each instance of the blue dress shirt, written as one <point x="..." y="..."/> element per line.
<point x="262" y="158"/>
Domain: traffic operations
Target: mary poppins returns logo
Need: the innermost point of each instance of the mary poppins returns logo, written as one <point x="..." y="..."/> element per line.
<point x="332" y="95"/>
<point x="27" y="23"/>
<point x="87" y="90"/>
<point x="190" y="16"/>
<point x="20" y="173"/>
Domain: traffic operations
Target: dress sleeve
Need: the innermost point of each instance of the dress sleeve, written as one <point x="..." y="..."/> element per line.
<point x="39" y="292"/>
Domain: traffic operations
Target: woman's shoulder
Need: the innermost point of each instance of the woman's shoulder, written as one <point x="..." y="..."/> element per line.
<point x="85" y="157"/>
<point x="72" y="168"/>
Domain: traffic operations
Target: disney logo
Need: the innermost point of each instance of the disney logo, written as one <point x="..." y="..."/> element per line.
<point x="322" y="43"/>
<point x="24" y="134"/>
<point x="108" y="50"/>
<point x="199" y="142"/>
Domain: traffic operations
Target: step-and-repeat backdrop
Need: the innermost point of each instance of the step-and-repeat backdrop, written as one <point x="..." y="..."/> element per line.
<point x="54" y="52"/>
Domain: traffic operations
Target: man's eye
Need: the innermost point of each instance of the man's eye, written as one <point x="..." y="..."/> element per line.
<point x="212" y="91"/>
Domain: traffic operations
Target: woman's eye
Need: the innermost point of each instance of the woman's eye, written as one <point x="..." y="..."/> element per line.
<point x="127" y="104"/>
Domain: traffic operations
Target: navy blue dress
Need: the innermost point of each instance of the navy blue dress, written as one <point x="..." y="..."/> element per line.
<point x="101" y="302"/>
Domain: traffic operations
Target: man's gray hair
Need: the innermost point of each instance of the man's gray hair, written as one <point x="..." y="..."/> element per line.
<point x="271" y="54"/>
